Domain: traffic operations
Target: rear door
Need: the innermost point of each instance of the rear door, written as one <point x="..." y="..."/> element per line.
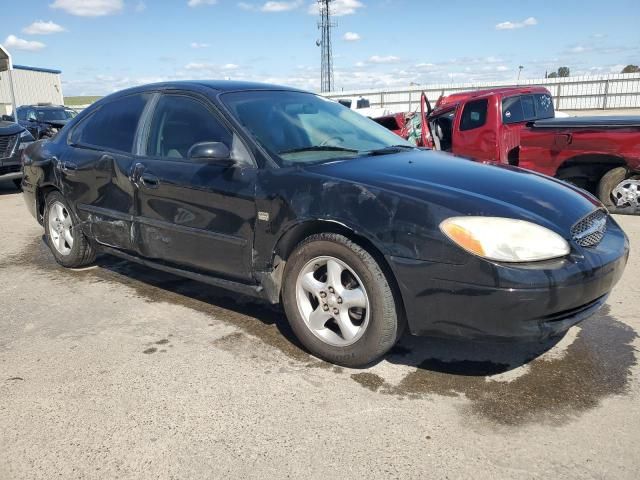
<point x="194" y="215"/>
<point x="95" y="171"/>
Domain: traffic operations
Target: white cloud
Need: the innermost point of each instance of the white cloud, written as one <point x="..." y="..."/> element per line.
<point x="384" y="59"/>
<point x="43" y="28"/>
<point x="14" y="43"/>
<point x="197" y="3"/>
<point x="280" y="6"/>
<point x="339" y="8"/>
<point x="271" y="6"/>
<point x="527" y="22"/>
<point x="89" y="8"/>
<point x="199" y="45"/>
<point x="351" y="37"/>
<point x="579" y="49"/>
<point x="230" y="66"/>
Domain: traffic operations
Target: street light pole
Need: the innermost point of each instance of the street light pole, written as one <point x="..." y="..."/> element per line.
<point x="519" y="72"/>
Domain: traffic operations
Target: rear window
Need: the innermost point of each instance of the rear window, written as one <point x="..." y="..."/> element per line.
<point x="390" y="123"/>
<point x="525" y="108"/>
<point x="474" y="115"/>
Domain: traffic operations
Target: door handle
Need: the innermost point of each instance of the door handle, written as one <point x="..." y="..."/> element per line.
<point x="136" y="172"/>
<point x="149" y="180"/>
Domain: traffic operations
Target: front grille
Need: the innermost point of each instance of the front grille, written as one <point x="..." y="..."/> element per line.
<point x="7" y="143"/>
<point x="589" y="230"/>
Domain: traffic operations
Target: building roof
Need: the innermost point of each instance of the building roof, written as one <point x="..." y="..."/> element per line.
<point x="37" y="69"/>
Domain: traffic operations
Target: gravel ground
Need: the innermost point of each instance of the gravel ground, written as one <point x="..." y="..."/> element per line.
<point x="118" y="371"/>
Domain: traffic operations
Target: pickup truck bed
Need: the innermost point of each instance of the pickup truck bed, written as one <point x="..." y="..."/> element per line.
<point x="588" y="122"/>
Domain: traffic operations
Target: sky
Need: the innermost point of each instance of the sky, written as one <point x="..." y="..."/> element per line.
<point x="103" y="46"/>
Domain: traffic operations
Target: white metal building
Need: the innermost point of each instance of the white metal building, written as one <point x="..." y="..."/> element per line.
<point x="32" y="85"/>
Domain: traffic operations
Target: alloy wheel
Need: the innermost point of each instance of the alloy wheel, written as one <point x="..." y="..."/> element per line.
<point x="332" y="301"/>
<point x="60" y="228"/>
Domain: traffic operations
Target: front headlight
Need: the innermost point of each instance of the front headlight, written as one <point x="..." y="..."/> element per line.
<point x="505" y="239"/>
<point x="25" y="139"/>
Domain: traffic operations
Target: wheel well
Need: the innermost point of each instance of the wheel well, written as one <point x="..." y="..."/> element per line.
<point x="41" y="195"/>
<point x="296" y="235"/>
<point x="589" y="169"/>
<point x="513" y="156"/>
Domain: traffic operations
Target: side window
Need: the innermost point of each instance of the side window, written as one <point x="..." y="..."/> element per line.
<point x="113" y="126"/>
<point x="474" y="115"/>
<point x="528" y="108"/>
<point x="22" y="114"/>
<point x="178" y="123"/>
<point x="544" y="106"/>
<point x="512" y="110"/>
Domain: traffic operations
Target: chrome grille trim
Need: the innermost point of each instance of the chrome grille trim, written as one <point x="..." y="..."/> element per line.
<point x="590" y="229"/>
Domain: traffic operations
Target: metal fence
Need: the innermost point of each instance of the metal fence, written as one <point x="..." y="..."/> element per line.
<point x="602" y="92"/>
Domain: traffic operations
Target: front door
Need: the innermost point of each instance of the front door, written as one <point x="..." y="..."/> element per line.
<point x="194" y="215"/>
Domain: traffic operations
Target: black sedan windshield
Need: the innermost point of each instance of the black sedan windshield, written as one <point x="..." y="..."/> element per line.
<point x="296" y="127"/>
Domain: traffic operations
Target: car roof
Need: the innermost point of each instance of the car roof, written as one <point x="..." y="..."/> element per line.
<point x="455" y="98"/>
<point x="217" y="85"/>
<point x="47" y="106"/>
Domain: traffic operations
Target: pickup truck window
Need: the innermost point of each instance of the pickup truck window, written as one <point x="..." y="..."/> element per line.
<point x="474" y="115"/>
<point x="525" y="108"/>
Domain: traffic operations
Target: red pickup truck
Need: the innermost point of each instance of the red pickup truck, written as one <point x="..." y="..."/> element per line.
<point x="516" y="126"/>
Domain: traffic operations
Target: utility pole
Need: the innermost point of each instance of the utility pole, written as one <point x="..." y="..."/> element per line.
<point x="326" y="63"/>
<point x="519" y="72"/>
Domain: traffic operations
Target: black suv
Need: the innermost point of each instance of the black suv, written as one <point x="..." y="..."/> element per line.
<point x="293" y="198"/>
<point x="13" y="139"/>
<point x="44" y="120"/>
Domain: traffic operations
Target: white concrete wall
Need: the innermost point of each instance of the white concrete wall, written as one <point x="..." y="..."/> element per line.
<point x="30" y="87"/>
<point x="606" y="92"/>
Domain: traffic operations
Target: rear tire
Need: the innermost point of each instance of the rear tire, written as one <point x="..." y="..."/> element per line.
<point x="608" y="182"/>
<point x="68" y="244"/>
<point x="339" y="302"/>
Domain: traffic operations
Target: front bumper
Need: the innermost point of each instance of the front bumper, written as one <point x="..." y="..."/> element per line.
<point x="11" y="168"/>
<point x="534" y="301"/>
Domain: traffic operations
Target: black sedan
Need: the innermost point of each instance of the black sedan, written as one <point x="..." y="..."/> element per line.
<point x="293" y="198"/>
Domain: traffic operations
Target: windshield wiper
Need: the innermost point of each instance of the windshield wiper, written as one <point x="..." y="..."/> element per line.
<point x="390" y="150"/>
<point x="319" y="148"/>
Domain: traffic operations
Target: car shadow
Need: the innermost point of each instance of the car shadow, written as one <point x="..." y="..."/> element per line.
<point x="256" y="317"/>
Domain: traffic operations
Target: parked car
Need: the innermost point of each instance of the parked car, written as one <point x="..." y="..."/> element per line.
<point x="13" y="139"/>
<point x="287" y="196"/>
<point x="518" y="126"/>
<point x="44" y="120"/>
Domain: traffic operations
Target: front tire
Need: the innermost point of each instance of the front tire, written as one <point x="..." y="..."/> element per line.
<point x="339" y="301"/>
<point x="68" y="244"/>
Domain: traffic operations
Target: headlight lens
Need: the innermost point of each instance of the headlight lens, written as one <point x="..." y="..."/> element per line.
<point x="505" y="239"/>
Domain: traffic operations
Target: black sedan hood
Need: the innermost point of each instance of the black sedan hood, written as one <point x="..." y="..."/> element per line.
<point x="9" y="128"/>
<point x="464" y="187"/>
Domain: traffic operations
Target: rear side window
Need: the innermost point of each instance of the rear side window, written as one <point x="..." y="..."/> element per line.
<point x="512" y="110"/>
<point x="474" y="115"/>
<point x="113" y="126"/>
<point x="179" y="122"/>
<point x="544" y="106"/>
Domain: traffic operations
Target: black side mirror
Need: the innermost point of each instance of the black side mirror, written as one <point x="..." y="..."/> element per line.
<point x="210" y="152"/>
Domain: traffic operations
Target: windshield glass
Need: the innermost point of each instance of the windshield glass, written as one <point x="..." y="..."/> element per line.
<point x="297" y="127"/>
<point x="51" y="114"/>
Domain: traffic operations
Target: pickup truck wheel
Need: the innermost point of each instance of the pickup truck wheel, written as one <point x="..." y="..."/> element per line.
<point x="617" y="190"/>
<point x="67" y="242"/>
<point x="339" y="302"/>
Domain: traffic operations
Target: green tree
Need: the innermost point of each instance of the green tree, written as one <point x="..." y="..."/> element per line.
<point x="631" y="69"/>
<point x="563" y="72"/>
<point x="552" y="75"/>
